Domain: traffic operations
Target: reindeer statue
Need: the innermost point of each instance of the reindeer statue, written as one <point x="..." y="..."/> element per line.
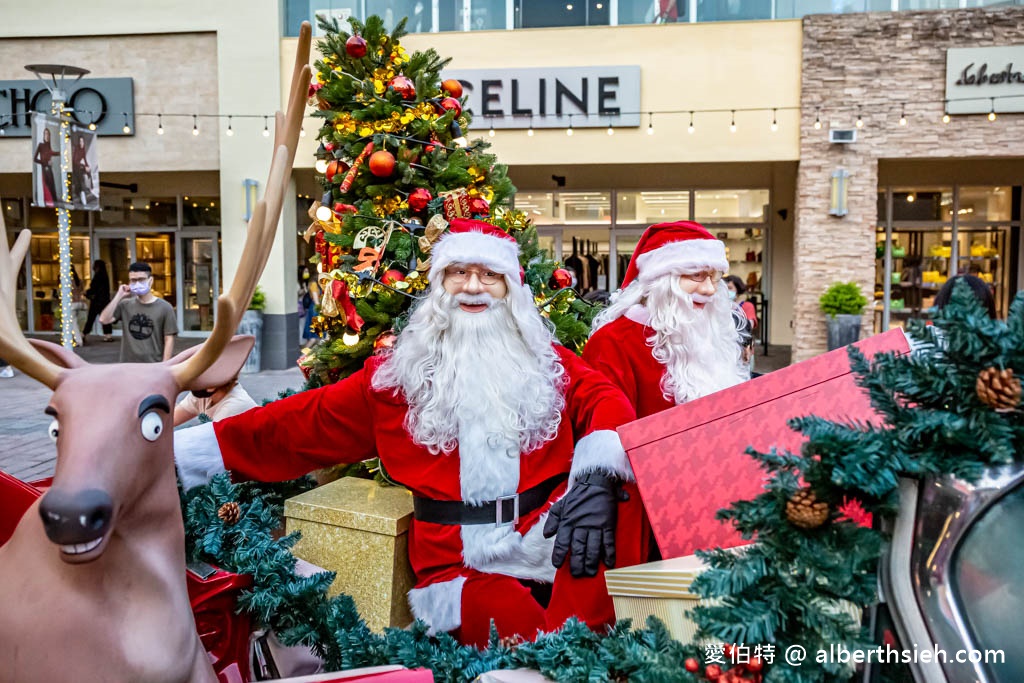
<point x="92" y="581"/>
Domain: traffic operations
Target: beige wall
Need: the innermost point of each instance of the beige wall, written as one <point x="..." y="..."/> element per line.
<point x="232" y="69"/>
<point x="683" y="67"/>
<point x="186" y="83"/>
<point x="871" y="63"/>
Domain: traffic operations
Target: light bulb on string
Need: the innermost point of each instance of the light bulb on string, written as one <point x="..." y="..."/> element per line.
<point x="611" y="131"/>
<point x="992" y="111"/>
<point x="195" y="125"/>
<point x="323" y="213"/>
<point x="529" y="131"/>
<point x="159" y="124"/>
<point x="860" y="121"/>
<point x="92" y="125"/>
<point x="230" y="131"/>
<point x="817" y="120"/>
<point x="320" y="166"/>
<point x="302" y="132"/>
<point x="732" y="124"/>
<point x="650" y="123"/>
<point x="690" y="128"/>
<point x="266" y="128"/>
<point x="126" y="129"/>
<point x="775" y="122"/>
<point x="568" y="131"/>
<point x="350" y="339"/>
<point x="903" y="115"/>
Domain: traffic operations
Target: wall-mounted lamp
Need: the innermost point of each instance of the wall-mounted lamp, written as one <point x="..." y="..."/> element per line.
<point x="250" y="187"/>
<point x="837" y="204"/>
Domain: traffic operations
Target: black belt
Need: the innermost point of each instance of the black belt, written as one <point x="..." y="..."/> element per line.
<point x="504" y="511"/>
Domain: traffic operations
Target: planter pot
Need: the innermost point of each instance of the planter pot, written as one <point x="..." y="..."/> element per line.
<point x="252" y="323"/>
<point x="843" y="330"/>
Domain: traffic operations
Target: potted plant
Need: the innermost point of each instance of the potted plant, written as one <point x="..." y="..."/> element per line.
<point x="252" y="323"/>
<point x="842" y="304"/>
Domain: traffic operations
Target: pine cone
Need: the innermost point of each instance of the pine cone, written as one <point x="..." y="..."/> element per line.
<point x="805" y="510"/>
<point x="229" y="513"/>
<point x="998" y="389"/>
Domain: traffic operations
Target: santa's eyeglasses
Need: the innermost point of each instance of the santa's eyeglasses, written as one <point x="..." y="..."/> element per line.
<point x="715" y="275"/>
<point x="460" y="275"/>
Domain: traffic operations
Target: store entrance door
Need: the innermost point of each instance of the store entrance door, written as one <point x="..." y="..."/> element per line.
<point x="122" y="247"/>
<point x="200" y="281"/>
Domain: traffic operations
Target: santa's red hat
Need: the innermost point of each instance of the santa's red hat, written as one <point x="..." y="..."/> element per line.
<point x="674" y="248"/>
<point x="470" y="241"/>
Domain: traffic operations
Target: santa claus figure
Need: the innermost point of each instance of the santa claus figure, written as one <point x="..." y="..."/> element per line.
<point x="669" y="337"/>
<point x="505" y="439"/>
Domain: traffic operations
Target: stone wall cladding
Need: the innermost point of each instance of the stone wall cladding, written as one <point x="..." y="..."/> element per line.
<point x="872" y="64"/>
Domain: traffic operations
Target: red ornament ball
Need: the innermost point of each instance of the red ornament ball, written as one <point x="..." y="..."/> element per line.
<point x="562" y="278"/>
<point x="329" y="146"/>
<point x="403" y="86"/>
<point x="384" y="342"/>
<point x="428" y="149"/>
<point x="332" y="169"/>
<point x="691" y="665"/>
<point x="755" y="665"/>
<point x="342" y="209"/>
<point x="451" y="104"/>
<point x="479" y="205"/>
<point x="452" y="87"/>
<point x="355" y="47"/>
<point x="392" y="276"/>
<point x="419" y="198"/>
<point x="713" y="672"/>
<point x="382" y="164"/>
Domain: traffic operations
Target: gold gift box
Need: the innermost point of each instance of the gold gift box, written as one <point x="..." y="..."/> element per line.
<point x="360" y="530"/>
<point x="660" y="589"/>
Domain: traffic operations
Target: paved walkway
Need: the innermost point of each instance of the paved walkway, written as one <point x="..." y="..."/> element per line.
<point x="26" y="450"/>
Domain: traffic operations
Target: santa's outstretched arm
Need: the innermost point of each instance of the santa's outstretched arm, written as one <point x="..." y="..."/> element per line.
<point x="284" y="439"/>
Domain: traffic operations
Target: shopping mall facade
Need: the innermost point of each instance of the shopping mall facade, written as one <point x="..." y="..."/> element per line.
<point x="817" y="147"/>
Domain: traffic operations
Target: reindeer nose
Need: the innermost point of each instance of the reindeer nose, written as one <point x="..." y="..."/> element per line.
<point x="77" y="517"/>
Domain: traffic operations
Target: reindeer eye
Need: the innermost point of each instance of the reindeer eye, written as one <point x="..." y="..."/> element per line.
<point x="152" y="426"/>
<point x="53" y="430"/>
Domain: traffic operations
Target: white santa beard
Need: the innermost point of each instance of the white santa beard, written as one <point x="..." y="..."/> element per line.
<point x="698" y="347"/>
<point x="458" y="368"/>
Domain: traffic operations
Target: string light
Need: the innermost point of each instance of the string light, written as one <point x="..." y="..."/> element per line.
<point x="266" y="128"/>
<point x="690" y="128"/>
<point x="320" y="167"/>
<point x="903" y="115"/>
<point x="568" y="131"/>
<point x="860" y="121"/>
<point x="230" y="131"/>
<point x="945" y="111"/>
<point x="195" y="125"/>
<point x="732" y="125"/>
<point x="92" y="125"/>
<point x="126" y="129"/>
<point x="992" y="111"/>
<point x="490" y="132"/>
<point x="650" y="123"/>
<point x="817" y="119"/>
<point x="775" y="122"/>
<point x="529" y="131"/>
<point x="159" y="124"/>
<point x="611" y="131"/>
<point x="302" y="132"/>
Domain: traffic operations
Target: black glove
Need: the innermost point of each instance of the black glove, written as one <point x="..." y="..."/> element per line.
<point x="584" y="521"/>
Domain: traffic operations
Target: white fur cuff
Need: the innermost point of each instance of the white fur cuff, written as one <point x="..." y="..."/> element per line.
<point x="439" y="605"/>
<point x="677" y="258"/>
<point x="600" y="450"/>
<point x="197" y="455"/>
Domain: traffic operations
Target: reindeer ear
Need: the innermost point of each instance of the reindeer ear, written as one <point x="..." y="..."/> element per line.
<point x="224" y="369"/>
<point x="55" y="353"/>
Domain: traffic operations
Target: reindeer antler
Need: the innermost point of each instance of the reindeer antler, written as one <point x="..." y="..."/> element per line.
<point x="262" y="226"/>
<point x="14" y="348"/>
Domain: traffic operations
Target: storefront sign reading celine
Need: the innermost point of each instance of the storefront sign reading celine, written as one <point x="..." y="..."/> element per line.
<point x="103" y="101"/>
<point x="976" y="75"/>
<point x="595" y="96"/>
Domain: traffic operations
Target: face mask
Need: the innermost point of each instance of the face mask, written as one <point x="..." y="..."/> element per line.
<point x="732" y="295"/>
<point x="203" y="393"/>
<point x="139" y="288"/>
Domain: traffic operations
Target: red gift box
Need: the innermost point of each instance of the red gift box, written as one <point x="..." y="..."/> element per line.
<point x="455" y="204"/>
<point x="690" y="461"/>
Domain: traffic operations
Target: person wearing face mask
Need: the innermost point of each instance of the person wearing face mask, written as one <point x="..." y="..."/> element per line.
<point x="215" y="403"/>
<point x="149" y="322"/>
<point x="737" y="289"/>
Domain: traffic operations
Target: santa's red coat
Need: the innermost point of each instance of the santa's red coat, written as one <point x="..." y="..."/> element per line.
<point x="620" y="350"/>
<point x="350" y="421"/>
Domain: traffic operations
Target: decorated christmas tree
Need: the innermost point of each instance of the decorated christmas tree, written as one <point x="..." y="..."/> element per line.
<point x="395" y="166"/>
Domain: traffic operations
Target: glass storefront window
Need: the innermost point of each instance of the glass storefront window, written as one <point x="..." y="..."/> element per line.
<point x="584" y="207"/>
<point x="646" y="208"/>
<point x="158" y="251"/>
<point x="13" y="212"/>
<point x="547" y="13"/>
<point x="733" y="10"/>
<point x="731" y="206"/>
<point x="653" y="11"/>
<point x="44" y="252"/>
<point x="929" y="4"/>
<point x="392" y="11"/>
<point x="984" y="204"/>
<point x="918" y="204"/>
<point x="120" y="211"/>
<point x="200" y="211"/>
<point x="539" y="206"/>
<point x="486" y="15"/>
<point x="585" y="255"/>
<point x="794" y="9"/>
